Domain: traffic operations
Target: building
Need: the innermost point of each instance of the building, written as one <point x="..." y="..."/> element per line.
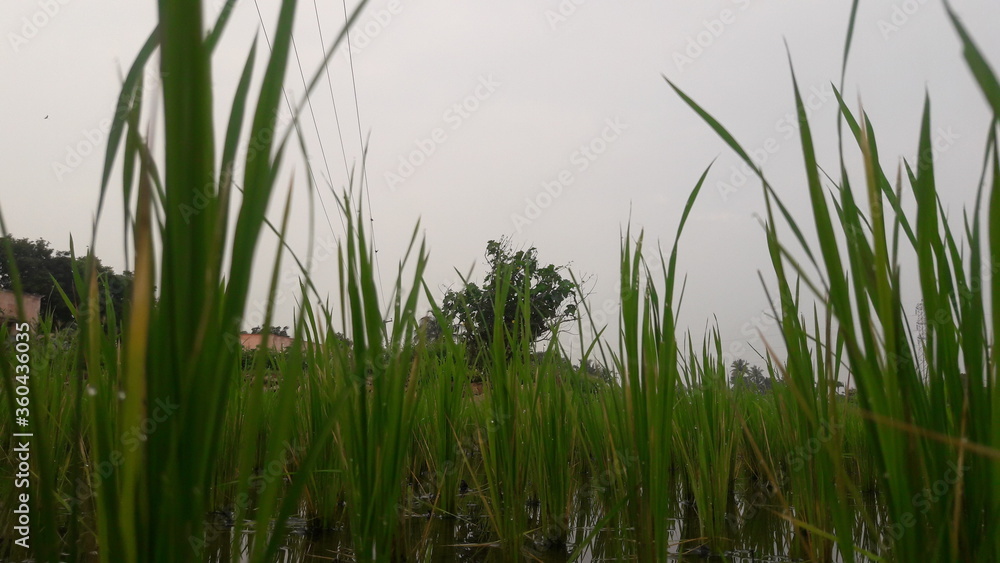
<point x="9" y="312"/>
<point x="253" y="341"/>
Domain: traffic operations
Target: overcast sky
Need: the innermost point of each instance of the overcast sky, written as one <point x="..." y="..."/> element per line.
<point x="546" y="121"/>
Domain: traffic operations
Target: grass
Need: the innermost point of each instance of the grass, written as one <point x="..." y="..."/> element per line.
<point x="147" y="430"/>
<point x="706" y="436"/>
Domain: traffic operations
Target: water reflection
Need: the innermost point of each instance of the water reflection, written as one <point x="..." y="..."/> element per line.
<point x="755" y="532"/>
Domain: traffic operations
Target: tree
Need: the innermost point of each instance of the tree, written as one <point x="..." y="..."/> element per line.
<point x="738" y="370"/>
<point x="746" y="377"/>
<point x="599" y="371"/>
<point x="275" y="330"/>
<point x="41" y="269"/>
<point x="549" y="296"/>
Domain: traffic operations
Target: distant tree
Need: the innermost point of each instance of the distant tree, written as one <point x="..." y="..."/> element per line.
<point x="429" y="329"/>
<point x="41" y="269"/>
<point x="275" y="330"/>
<point x="549" y="295"/>
<point x="738" y="370"/>
<point x="743" y="376"/>
<point x="599" y="371"/>
<point x="759" y="379"/>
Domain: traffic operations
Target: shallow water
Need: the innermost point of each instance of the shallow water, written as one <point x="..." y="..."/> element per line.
<point x="756" y="534"/>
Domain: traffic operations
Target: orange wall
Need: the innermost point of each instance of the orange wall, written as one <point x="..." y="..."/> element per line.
<point x="252" y="341"/>
<point x="8" y="306"/>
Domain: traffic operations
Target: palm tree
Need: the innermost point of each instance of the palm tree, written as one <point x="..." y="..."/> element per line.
<point x="738" y="372"/>
<point x="744" y="376"/>
<point x="760" y="381"/>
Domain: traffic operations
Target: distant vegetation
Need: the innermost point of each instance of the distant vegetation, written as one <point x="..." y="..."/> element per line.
<point x="275" y="330"/>
<point x="744" y="376"/>
<point x="478" y="315"/>
<point x="50" y="273"/>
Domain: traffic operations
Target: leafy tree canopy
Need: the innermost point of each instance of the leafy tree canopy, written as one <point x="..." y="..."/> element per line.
<point x="744" y="376"/>
<point x="41" y="268"/>
<point x="275" y="330"/>
<point x="550" y="296"/>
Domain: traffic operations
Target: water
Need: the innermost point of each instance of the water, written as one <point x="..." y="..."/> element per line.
<point x="755" y="533"/>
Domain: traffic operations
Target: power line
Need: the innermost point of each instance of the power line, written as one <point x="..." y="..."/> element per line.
<point x="365" y="187"/>
<point x="295" y="121"/>
<point x="319" y="137"/>
<point x="364" y="172"/>
<point x="333" y="98"/>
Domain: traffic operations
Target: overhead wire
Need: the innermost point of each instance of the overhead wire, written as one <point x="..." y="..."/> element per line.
<point x="364" y="171"/>
<point x="295" y="121"/>
<point x="333" y="98"/>
<point x="312" y="115"/>
<point x="365" y="187"/>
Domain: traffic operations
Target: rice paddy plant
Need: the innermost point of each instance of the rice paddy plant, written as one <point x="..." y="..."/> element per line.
<point x="593" y="446"/>
<point x="54" y="418"/>
<point x="810" y="417"/>
<point x="936" y="461"/>
<point x="707" y="435"/>
<point x="444" y="404"/>
<point x="373" y="425"/>
<point x="641" y="423"/>
<point x="224" y="489"/>
<point x="759" y="526"/>
<point x="601" y="467"/>
<point x="321" y="395"/>
<point x="859" y="459"/>
<point x="900" y="400"/>
<point x="763" y="454"/>
<point x="552" y="427"/>
<point x="501" y="434"/>
<point x="173" y="362"/>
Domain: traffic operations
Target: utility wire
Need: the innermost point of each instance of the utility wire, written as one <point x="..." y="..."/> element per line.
<point x="319" y="137"/>
<point x="295" y="121"/>
<point x="365" y="187"/>
<point x="329" y="84"/>
<point x="364" y="171"/>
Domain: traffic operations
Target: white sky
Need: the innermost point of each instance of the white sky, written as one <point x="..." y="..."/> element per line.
<point x="538" y="87"/>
